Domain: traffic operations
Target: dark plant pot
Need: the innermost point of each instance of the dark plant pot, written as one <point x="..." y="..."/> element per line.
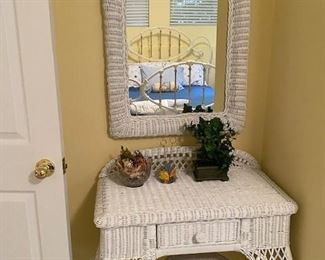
<point x="204" y="171"/>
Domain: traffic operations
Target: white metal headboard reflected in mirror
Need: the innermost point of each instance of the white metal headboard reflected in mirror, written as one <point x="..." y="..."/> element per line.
<point x="168" y="69"/>
<point x="153" y="73"/>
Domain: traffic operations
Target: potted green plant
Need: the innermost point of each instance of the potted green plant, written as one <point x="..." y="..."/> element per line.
<point x="216" y="151"/>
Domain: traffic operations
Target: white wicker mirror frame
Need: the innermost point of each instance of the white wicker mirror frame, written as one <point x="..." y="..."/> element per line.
<point x="122" y="124"/>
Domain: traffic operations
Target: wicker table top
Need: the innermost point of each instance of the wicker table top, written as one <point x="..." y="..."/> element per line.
<point x="248" y="194"/>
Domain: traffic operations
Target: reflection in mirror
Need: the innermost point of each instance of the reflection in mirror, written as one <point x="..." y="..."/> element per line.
<point x="172" y="56"/>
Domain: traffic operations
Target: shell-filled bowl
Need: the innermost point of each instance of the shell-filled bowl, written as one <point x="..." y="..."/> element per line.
<point x="134" y="175"/>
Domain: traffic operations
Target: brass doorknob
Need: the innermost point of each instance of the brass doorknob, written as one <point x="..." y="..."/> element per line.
<point x="44" y="168"/>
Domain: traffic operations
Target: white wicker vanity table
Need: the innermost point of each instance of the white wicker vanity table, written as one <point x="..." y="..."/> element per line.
<point x="249" y="214"/>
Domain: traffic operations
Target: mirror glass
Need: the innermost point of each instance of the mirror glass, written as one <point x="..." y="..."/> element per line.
<point x="176" y="56"/>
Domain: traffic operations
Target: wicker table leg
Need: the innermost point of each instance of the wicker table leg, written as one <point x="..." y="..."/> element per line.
<point x="283" y="253"/>
<point x="150" y="254"/>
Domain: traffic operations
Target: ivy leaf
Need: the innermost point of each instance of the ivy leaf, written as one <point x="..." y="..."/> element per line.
<point x="215" y="139"/>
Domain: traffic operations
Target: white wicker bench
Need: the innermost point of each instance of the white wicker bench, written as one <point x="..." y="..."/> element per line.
<point x="249" y="214"/>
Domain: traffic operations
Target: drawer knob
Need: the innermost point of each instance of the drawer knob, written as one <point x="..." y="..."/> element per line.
<point x="200" y="237"/>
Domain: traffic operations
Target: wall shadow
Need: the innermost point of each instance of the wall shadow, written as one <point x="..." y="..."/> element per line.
<point x="84" y="234"/>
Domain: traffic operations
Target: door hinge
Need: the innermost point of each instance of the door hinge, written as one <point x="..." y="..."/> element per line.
<point x="64" y="165"/>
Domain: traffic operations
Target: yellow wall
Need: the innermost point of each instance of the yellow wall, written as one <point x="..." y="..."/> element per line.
<point x="294" y="138"/>
<point x="221" y="53"/>
<point x="80" y="57"/>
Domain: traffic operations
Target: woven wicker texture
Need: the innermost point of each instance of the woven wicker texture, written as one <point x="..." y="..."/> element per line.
<point x="248" y="194"/>
<point x="198" y="257"/>
<point x="269" y="254"/>
<point x="249" y="214"/>
<point x="122" y="124"/>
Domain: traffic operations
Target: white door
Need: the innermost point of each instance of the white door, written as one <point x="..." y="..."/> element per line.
<point x="33" y="216"/>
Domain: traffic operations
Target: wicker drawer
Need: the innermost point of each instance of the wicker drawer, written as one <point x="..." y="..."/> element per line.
<point x="199" y="233"/>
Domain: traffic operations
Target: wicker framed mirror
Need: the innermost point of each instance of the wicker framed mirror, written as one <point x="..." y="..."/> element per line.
<point x="123" y="124"/>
